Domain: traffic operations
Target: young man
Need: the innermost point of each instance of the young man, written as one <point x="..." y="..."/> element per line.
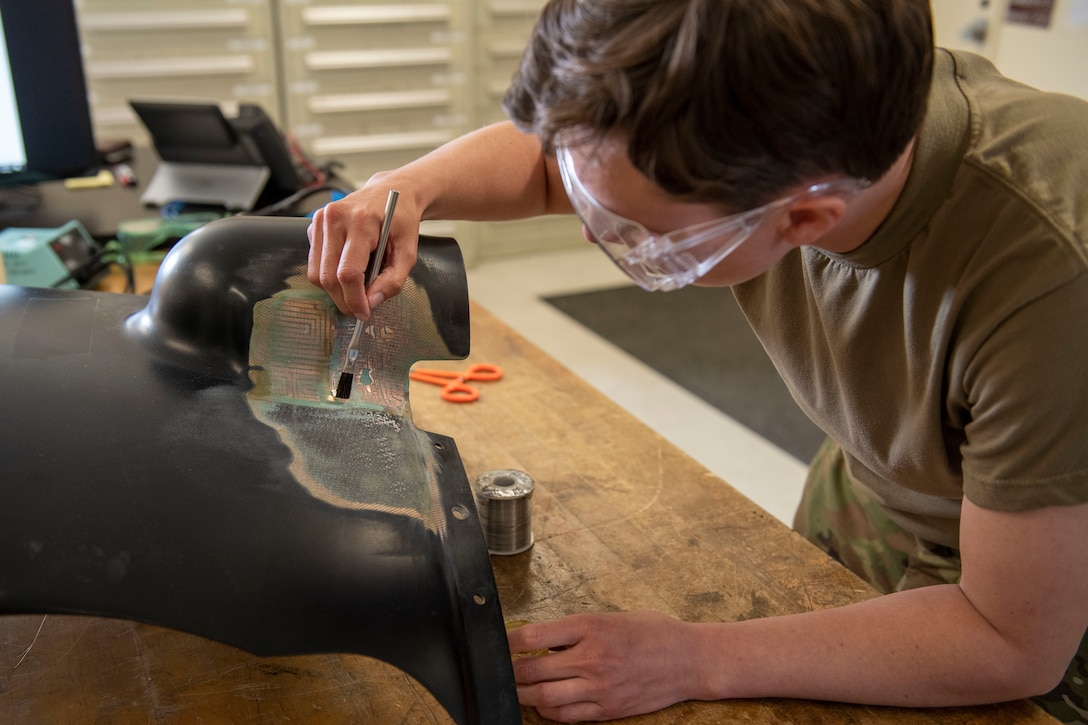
<point x="907" y="232"/>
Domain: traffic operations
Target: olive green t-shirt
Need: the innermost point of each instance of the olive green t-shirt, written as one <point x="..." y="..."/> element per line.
<point x="948" y="355"/>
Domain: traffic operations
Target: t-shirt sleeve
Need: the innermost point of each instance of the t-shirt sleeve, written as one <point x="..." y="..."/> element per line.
<point x="1026" y="393"/>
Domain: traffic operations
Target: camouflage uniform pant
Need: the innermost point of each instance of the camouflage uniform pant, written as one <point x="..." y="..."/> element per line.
<point x="848" y="525"/>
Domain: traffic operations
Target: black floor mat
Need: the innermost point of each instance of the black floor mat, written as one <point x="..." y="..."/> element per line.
<point x="697" y="337"/>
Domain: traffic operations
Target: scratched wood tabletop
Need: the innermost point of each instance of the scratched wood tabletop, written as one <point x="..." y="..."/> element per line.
<point x="622" y="519"/>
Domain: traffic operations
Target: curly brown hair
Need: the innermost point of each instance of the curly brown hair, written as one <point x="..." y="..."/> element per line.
<point x="731" y="101"/>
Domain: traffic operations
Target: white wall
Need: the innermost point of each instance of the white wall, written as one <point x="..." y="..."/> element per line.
<point x="1053" y="58"/>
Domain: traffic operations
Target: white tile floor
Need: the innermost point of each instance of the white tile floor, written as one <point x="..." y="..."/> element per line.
<point x="513" y="289"/>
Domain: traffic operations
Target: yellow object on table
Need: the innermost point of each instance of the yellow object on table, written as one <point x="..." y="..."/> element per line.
<point x="102" y="179"/>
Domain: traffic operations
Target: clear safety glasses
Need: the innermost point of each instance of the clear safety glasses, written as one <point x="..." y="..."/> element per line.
<point x="666" y="262"/>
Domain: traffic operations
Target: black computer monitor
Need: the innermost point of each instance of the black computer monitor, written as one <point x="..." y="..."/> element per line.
<point x="45" y="119"/>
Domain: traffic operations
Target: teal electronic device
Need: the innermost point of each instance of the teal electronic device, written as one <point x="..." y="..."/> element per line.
<point x="47" y="257"/>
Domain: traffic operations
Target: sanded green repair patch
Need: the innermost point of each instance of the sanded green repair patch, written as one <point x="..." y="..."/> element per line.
<point x="363" y="452"/>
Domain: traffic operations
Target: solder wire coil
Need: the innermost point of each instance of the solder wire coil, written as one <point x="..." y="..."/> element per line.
<point x="504" y="498"/>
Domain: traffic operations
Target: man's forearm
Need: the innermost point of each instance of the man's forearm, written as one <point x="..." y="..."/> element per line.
<point x="922" y="648"/>
<point x="494" y="173"/>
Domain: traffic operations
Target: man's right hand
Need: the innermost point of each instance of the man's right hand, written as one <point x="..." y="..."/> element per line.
<point x="344" y="233"/>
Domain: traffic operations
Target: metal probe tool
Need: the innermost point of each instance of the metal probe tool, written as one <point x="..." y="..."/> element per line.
<point x="343" y="388"/>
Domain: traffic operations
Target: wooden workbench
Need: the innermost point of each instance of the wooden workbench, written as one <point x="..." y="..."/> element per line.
<point x="623" y="520"/>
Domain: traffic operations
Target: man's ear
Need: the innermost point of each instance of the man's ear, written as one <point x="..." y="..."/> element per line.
<point x="808" y="219"/>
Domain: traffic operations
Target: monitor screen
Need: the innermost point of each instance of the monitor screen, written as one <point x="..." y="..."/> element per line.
<point x="45" y="119"/>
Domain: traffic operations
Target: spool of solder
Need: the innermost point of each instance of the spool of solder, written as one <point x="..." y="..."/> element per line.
<point x="504" y="499"/>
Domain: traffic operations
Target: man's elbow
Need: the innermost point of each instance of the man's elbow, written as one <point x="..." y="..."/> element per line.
<point x="1029" y="674"/>
<point x="1041" y="680"/>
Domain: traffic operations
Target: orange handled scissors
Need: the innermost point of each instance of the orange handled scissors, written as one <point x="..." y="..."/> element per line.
<point x="455" y="387"/>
